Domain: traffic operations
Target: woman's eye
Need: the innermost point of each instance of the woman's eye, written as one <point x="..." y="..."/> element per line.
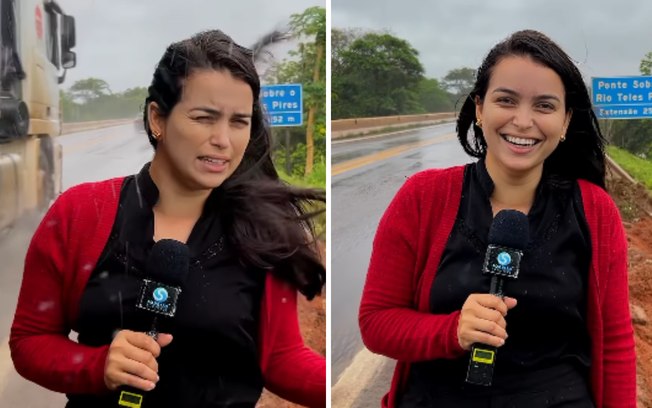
<point x="505" y="100"/>
<point x="546" y="106"/>
<point x="241" y="122"/>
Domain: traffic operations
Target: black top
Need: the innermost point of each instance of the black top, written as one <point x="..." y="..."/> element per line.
<point x="548" y="325"/>
<point x="213" y="358"/>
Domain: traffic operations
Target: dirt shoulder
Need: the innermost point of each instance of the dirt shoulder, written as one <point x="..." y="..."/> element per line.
<point x="639" y="235"/>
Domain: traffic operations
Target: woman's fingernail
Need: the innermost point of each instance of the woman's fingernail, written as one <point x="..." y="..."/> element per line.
<point x="151" y="386"/>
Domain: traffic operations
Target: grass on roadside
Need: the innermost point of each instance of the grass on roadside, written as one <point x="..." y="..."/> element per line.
<point x="640" y="169"/>
<point x="316" y="180"/>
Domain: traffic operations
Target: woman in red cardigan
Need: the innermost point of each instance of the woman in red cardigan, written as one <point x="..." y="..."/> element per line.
<point x="563" y="331"/>
<point x="211" y="185"/>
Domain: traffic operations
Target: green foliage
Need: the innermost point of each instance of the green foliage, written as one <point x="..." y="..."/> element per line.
<point x="634" y="135"/>
<point x="377" y="74"/>
<point x="89" y="89"/>
<point x="315" y="180"/>
<point x="637" y="167"/>
<point x="646" y="64"/>
<point x="293" y="160"/>
<point x="433" y="98"/>
<point x="89" y="99"/>
<point x="309" y="28"/>
<point x="341" y="39"/>
<point x="318" y="176"/>
<point x="459" y="81"/>
<point x="310" y="23"/>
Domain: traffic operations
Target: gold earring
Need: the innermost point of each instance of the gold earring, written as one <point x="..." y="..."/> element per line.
<point x="156" y="135"/>
<point x="478" y="123"/>
<point x="562" y="138"/>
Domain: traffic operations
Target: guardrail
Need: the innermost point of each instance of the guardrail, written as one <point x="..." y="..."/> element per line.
<point x="346" y="127"/>
<point x="73" y="127"/>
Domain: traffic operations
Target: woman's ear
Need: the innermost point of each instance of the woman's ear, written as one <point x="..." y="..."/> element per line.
<point x="478" y="109"/>
<point x="155" y="119"/>
<point x="569" y="115"/>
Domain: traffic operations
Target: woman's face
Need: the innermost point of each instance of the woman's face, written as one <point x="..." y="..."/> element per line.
<point x="204" y="138"/>
<point x="523" y="114"/>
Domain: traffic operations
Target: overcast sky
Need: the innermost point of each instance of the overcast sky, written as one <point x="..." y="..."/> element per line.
<point x="605" y="37"/>
<point x="120" y="41"/>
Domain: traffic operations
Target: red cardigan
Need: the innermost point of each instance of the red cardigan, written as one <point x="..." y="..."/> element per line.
<point x="63" y="253"/>
<point x="394" y="318"/>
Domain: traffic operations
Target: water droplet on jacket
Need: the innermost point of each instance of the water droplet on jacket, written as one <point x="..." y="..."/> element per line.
<point x="45" y="305"/>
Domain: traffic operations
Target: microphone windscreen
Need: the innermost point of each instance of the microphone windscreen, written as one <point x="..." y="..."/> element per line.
<point x="168" y="262"/>
<point x="510" y="228"/>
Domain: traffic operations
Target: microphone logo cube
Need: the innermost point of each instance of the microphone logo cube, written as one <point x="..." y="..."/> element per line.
<point x="158" y="298"/>
<point x="502" y="261"/>
<point x="504" y="258"/>
<point x="160" y="295"/>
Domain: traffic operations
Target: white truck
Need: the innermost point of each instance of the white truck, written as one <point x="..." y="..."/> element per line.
<point x="36" y="39"/>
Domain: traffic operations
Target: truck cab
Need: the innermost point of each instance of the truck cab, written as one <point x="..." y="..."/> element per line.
<point x="36" y="41"/>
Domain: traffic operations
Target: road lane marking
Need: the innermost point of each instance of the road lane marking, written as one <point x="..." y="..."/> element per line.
<point x="358" y="162"/>
<point x="359" y="378"/>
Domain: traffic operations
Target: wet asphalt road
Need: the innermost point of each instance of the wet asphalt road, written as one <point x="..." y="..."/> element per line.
<point x="359" y="198"/>
<point x="87" y="156"/>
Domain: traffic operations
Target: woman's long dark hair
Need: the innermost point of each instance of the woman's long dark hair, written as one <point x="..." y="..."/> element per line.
<point x="267" y="221"/>
<point x="582" y="155"/>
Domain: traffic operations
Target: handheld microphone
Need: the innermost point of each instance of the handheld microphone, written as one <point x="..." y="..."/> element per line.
<point x="508" y="236"/>
<point x="167" y="268"/>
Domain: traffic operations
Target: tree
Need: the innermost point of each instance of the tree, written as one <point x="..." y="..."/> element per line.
<point x="302" y="68"/>
<point x="69" y="109"/>
<point x="89" y="89"/>
<point x="432" y="97"/>
<point x="378" y="75"/>
<point x="91" y="99"/>
<point x="312" y="23"/>
<point x="646" y="64"/>
<point x="341" y="40"/>
<point x="634" y="135"/>
<point x="459" y="81"/>
<point x="139" y="93"/>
